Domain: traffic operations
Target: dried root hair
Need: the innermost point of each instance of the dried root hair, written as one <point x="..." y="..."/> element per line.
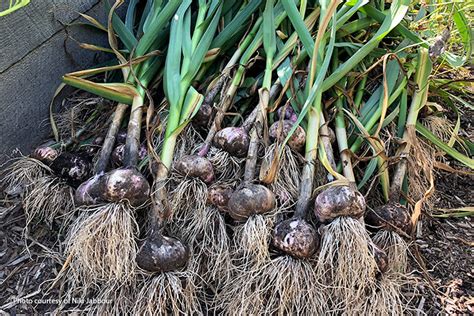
<point x="211" y="247"/>
<point x="346" y="263"/>
<point x="101" y="244"/>
<point x="440" y="126"/>
<point x="169" y="293"/>
<point x="420" y="169"/>
<point x="226" y="166"/>
<point x="115" y="298"/>
<point x="20" y="173"/>
<point x="186" y="142"/>
<point x="287" y="178"/>
<point x="384" y="297"/>
<point x="396" y="249"/>
<point x="49" y="198"/>
<point x="252" y="241"/>
<point x="188" y="203"/>
<point x="249" y="252"/>
<point x="77" y="112"/>
<point x="282" y="286"/>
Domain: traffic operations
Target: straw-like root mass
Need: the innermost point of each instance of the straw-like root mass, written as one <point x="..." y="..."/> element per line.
<point x="170" y="293"/>
<point x="188" y="201"/>
<point x="211" y="248"/>
<point x="396" y="249"/>
<point x="226" y="166"/>
<point x="282" y="286"/>
<point x="252" y="241"/>
<point x="346" y="263"/>
<point x="48" y="198"/>
<point x="286" y="181"/>
<point x="19" y="174"/>
<point x="102" y="244"/>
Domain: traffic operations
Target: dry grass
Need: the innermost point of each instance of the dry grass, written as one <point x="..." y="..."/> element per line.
<point x="420" y="169"/>
<point x="188" y="202"/>
<point x="346" y="263"/>
<point x="440" y="126"/>
<point x="384" y="298"/>
<point x="186" y="142"/>
<point x="115" y="298"/>
<point x="101" y="244"/>
<point x="80" y="111"/>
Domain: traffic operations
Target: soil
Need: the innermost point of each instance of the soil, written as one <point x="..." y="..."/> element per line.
<point x="446" y="248"/>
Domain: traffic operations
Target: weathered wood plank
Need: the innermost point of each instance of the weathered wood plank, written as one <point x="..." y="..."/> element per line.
<point x="29" y="27"/>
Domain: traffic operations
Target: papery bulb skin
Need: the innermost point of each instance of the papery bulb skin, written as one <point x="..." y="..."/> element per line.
<point x="126" y="184"/>
<point x="203" y="116"/>
<point x="196" y="167"/>
<point x="45" y="154"/>
<point x="219" y="197"/>
<point x="90" y="192"/>
<point x="74" y="168"/>
<point x="162" y="254"/>
<point x="381" y="258"/>
<point x="288" y="114"/>
<point x="250" y="199"/>
<point x="234" y="140"/>
<point x="280" y="130"/>
<point x="392" y="216"/>
<point x="341" y="200"/>
<point x="296" y="237"/>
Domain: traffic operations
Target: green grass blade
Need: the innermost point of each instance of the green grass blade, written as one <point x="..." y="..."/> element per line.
<point x="354" y="6"/>
<point x="465" y="31"/>
<point x="120" y="92"/>
<point x="368" y="172"/>
<point x="146" y="15"/>
<point x="191" y="105"/>
<point x="187" y="41"/>
<point x="354" y="26"/>
<point x="457" y="212"/>
<point x="400" y="29"/>
<point x="269" y="42"/>
<point x="316" y="89"/>
<point x="130" y="15"/>
<point x="291" y="42"/>
<point x="379" y="151"/>
<point x="402" y="118"/>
